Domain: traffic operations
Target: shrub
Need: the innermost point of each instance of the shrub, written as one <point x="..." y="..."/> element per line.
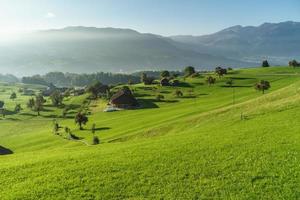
<point x="178" y="93"/>
<point x="55" y="127"/>
<point x="229" y="82"/>
<point x="96" y="140"/>
<point x="210" y="80"/>
<point x="265" y="63"/>
<point x="13" y="96"/>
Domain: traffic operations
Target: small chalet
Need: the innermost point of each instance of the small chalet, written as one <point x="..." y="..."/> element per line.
<point x="124" y="99"/>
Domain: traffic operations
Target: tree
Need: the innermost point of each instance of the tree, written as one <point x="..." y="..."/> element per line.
<point x="2" y="110"/>
<point x="165" y="74"/>
<point x="97" y="89"/>
<point x="189" y="70"/>
<point x="13" y="96"/>
<point x="265" y="63"/>
<point x="81" y="119"/>
<point x="229" y="82"/>
<point x="39" y="104"/>
<point x="143" y="77"/>
<point x="31" y="103"/>
<point x="146" y="80"/>
<point x="18" y="108"/>
<point x="220" y="71"/>
<point x="210" y="80"/>
<point x="57" y="98"/>
<point x="294" y="63"/>
<point x="262" y="86"/>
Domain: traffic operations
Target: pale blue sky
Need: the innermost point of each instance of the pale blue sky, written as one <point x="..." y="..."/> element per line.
<point x="165" y="17"/>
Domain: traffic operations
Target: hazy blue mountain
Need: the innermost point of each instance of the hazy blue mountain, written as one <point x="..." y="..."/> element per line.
<point x="88" y="49"/>
<point x="278" y="42"/>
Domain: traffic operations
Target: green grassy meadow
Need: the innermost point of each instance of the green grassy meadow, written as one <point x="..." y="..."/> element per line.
<point x="215" y="142"/>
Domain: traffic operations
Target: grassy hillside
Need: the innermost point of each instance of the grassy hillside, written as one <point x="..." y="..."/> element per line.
<point x="214" y="142"/>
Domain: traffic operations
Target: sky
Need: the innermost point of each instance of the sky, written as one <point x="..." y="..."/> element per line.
<point x="164" y="17"/>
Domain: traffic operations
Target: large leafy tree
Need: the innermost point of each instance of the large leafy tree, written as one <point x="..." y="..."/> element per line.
<point x="57" y="98"/>
<point x="189" y="70"/>
<point x="81" y="119"/>
<point x="220" y="71"/>
<point x="294" y="63"/>
<point x="97" y="89"/>
<point x="262" y="86"/>
<point x="165" y="74"/>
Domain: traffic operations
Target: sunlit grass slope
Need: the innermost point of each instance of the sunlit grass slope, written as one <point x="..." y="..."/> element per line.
<point x="215" y="142"/>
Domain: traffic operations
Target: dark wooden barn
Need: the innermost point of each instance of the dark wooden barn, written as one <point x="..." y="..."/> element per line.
<point x="124" y="99"/>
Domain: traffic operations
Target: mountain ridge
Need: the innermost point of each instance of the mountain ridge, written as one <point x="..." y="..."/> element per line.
<point x="82" y="49"/>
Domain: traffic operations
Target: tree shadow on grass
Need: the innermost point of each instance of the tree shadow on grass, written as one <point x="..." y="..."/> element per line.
<point x="29" y="114"/>
<point x="242" y="78"/>
<point x="73" y="106"/>
<point x="198" y="84"/>
<point x="9" y="112"/>
<point x="165" y="92"/>
<point x="57" y="117"/>
<point x="188" y="97"/>
<point x="147" y="103"/>
<point x="236" y="86"/>
<point x="141" y="95"/>
<point x="101" y="129"/>
<point x="12" y="119"/>
<point x="151" y="103"/>
<point x="5" y="151"/>
<point x="185" y="84"/>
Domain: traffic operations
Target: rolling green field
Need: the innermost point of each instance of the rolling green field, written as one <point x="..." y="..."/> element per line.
<point x="215" y="142"/>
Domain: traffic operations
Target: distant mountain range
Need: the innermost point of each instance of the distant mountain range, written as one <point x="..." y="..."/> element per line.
<point x="278" y="42"/>
<point x="89" y="49"/>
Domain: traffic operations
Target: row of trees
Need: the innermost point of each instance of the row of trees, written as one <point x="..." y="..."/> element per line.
<point x="294" y="63"/>
<point x="71" y="79"/>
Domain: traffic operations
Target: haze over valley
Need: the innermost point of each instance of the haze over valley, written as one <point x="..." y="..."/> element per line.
<point x="89" y="49"/>
<point x="149" y="99"/>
